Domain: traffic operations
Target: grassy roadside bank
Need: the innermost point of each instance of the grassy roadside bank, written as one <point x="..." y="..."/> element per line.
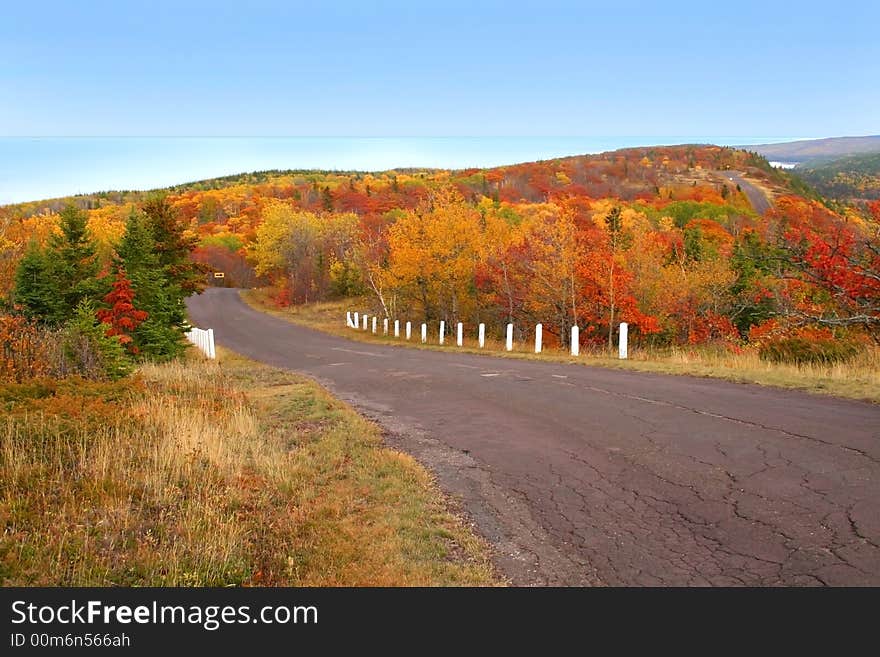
<point x="857" y="379"/>
<point x="215" y="473"/>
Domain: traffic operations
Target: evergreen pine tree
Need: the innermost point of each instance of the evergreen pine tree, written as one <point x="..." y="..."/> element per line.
<point x="88" y="350"/>
<point x="35" y="288"/>
<point x="174" y="247"/>
<point x="72" y="264"/>
<point x="160" y="336"/>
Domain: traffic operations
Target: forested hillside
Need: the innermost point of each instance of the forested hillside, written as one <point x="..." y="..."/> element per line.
<point x="661" y="238"/>
<point x="852" y="178"/>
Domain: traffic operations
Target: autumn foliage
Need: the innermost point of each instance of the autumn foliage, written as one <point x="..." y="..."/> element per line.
<point x="26" y="351"/>
<point x="120" y="314"/>
<point x="656" y="237"/>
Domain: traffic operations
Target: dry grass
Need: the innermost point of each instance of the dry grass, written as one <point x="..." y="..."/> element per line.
<point x="203" y="473"/>
<point x="856" y="379"/>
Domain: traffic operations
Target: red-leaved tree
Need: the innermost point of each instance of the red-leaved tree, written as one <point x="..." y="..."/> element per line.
<point x="122" y="317"/>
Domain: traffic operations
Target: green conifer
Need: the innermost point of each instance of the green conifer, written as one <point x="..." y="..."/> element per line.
<point x="174" y="246"/>
<point x="161" y="336"/>
<point x="35" y="287"/>
<point x="88" y="350"/>
<point x="73" y="265"/>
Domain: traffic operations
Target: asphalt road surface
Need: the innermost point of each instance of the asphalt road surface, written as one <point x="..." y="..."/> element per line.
<point x="755" y="194"/>
<point x="586" y="476"/>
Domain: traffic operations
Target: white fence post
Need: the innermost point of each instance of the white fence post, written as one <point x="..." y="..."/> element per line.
<point x="459" y="338"/>
<point x="424" y="332"/>
<point x="203" y="339"/>
<point x="348" y="318"/>
<point x="385" y="326"/>
<point x="396" y="328"/>
<point x="510" y="337"/>
<point x="408" y="330"/>
<point x="357" y="321"/>
<point x="575" y="341"/>
<point x="539" y="337"/>
<point x="374" y="324"/>
<point x="442" y="330"/>
<point x="365" y="321"/>
<point x="482" y="336"/>
<point x="624" y="336"/>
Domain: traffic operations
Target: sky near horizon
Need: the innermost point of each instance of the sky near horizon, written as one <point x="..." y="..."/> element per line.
<point x="262" y="67"/>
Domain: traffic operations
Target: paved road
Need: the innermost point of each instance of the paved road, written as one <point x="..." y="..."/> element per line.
<point x="755" y="194"/>
<point x="584" y="476"/>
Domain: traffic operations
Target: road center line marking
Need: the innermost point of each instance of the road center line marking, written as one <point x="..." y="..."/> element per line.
<point x="470" y="367"/>
<point x="361" y="353"/>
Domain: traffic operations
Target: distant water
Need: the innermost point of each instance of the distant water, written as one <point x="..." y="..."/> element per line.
<point x="33" y="168"/>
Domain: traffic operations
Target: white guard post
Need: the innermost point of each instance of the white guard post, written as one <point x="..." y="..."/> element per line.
<point x="509" y="345"/>
<point x="539" y="337"/>
<point x="442" y="331"/>
<point x="482" y="335"/>
<point x="624" y="337"/>
<point x="575" y="341"/>
<point x="424" y="333"/>
<point x="459" y="338"/>
<point x="202" y="339"/>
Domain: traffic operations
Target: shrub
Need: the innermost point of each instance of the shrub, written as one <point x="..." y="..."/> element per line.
<point x="27" y="351"/>
<point x="808" y="346"/>
<point x="30" y="351"/>
<point x="88" y="350"/>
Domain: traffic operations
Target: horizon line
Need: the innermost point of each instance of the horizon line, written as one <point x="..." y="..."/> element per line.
<point x="657" y="136"/>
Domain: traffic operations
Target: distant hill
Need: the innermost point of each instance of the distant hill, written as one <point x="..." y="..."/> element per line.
<point x="648" y="172"/>
<point x="851" y="178"/>
<point x="812" y="149"/>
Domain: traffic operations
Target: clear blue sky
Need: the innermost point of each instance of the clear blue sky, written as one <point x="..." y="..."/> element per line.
<point x="259" y="67"/>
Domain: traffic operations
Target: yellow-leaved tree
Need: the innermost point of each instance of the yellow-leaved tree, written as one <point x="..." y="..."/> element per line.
<point x="433" y="254"/>
<point x="310" y="254"/>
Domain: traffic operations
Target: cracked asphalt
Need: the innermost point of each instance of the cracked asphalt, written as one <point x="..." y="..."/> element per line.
<point x="586" y="476"/>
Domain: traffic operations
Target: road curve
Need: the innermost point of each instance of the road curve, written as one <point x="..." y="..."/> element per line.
<point x="757" y="197"/>
<point x="588" y="476"/>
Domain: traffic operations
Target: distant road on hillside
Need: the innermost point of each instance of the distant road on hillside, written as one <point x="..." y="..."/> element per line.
<point x="757" y="196"/>
<point x="582" y="475"/>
